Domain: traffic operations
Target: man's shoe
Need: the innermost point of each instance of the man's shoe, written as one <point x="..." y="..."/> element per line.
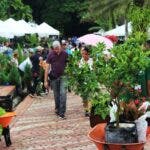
<point x="62" y="117"/>
<point x="56" y="112"/>
<point x="32" y="95"/>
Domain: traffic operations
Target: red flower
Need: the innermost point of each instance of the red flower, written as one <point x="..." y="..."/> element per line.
<point x="136" y="102"/>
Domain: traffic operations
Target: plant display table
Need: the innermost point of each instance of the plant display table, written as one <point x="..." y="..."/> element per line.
<point x="97" y="135"/>
<point x="6" y="97"/>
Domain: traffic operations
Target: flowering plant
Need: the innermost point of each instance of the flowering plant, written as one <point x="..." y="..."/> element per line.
<point x="120" y="74"/>
<point x="135" y="107"/>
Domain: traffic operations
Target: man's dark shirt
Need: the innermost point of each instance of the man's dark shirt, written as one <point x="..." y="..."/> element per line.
<point x="35" y="63"/>
<point x="58" y="62"/>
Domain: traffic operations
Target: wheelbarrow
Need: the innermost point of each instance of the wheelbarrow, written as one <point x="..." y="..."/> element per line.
<point x="5" y="120"/>
<point x="97" y="135"/>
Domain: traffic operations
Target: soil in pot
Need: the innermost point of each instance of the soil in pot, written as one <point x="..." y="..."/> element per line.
<point x="126" y="133"/>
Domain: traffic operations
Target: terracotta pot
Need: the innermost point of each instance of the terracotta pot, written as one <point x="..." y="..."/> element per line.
<point x="97" y="135"/>
<point x="148" y="131"/>
<point x="6" y="119"/>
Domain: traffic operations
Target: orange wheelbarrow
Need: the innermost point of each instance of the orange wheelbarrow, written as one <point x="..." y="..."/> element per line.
<point x="97" y="135"/>
<point x="5" y="120"/>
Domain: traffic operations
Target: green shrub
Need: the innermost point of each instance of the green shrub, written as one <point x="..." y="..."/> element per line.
<point x="14" y="76"/>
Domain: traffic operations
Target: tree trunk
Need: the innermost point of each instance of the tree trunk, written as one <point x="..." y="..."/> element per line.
<point x="117" y="113"/>
<point x="113" y="21"/>
<point x="126" y="21"/>
<point x="126" y="29"/>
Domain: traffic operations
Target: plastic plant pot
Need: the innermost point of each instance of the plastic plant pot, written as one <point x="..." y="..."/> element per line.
<point x="6" y="119"/>
<point x="97" y="135"/>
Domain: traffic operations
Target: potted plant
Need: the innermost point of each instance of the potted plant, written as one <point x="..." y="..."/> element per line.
<point x="84" y="82"/>
<point x="27" y="77"/>
<point x="120" y="73"/>
<point x="15" y="78"/>
<point x="114" y="72"/>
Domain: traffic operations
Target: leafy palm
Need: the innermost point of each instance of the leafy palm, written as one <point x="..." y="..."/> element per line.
<point x="100" y="8"/>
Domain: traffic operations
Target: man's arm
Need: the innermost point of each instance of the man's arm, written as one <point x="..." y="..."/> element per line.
<point x="46" y="75"/>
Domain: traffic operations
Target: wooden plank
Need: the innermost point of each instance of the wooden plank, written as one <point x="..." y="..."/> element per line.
<point x="6" y="90"/>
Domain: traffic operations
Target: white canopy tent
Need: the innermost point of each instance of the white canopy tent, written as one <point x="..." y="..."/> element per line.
<point x="26" y="26"/>
<point x="119" y="30"/>
<point x="11" y="28"/>
<point x="44" y="30"/>
<point x="14" y="28"/>
<point x="4" y="32"/>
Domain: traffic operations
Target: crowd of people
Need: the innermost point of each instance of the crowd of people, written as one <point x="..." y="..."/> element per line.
<point x="48" y="66"/>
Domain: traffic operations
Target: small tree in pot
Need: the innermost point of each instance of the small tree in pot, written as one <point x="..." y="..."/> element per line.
<point x="83" y="81"/>
<point x="119" y="72"/>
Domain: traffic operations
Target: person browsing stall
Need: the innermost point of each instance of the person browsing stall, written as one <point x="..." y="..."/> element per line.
<point x="57" y="60"/>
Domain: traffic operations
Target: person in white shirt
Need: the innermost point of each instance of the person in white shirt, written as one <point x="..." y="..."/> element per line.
<point x="15" y="59"/>
<point x="86" y="60"/>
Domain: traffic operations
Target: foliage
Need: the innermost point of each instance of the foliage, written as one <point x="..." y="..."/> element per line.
<point x="100" y="10"/>
<point x="15" y="9"/>
<point x="2" y="111"/>
<point x="21" y="57"/>
<point x="14" y="76"/>
<point x="115" y="11"/>
<point x="4" y="78"/>
<point x="4" y="61"/>
<point x="9" y="72"/>
<point x="27" y="75"/>
<point x="32" y="40"/>
<point x="131" y="52"/>
<point x="84" y="82"/>
<point x="80" y="78"/>
<point x="3" y="9"/>
<point x="103" y="13"/>
<point x="100" y="104"/>
<point x="20" y="11"/>
<point x="64" y="15"/>
<point x="140" y="19"/>
<point x="120" y="72"/>
<point x="4" y="66"/>
<point x="3" y="40"/>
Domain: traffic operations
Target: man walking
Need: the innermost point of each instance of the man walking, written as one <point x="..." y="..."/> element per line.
<point x="56" y="61"/>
